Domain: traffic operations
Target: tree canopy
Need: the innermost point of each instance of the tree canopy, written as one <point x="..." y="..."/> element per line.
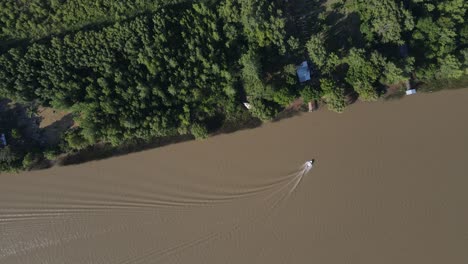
<point x="138" y="70"/>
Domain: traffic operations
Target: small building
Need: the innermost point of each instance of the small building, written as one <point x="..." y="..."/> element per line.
<point x="303" y="72"/>
<point x="247" y="105"/>
<point x="3" y="142"/>
<point x="410" y="92"/>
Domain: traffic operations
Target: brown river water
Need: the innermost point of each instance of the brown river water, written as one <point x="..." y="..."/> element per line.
<point x="389" y="185"/>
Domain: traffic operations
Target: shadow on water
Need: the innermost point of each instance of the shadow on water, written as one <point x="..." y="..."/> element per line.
<point x="231" y="127"/>
<point x="288" y="113"/>
<point x="351" y="98"/>
<point x="105" y="151"/>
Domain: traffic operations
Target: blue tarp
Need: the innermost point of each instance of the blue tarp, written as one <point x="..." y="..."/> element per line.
<point x="303" y="72"/>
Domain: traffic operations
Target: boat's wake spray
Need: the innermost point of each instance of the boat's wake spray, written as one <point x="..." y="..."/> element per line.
<point x="308" y="165"/>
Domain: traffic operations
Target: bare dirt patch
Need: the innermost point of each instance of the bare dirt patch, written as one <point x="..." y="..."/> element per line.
<point x="54" y="123"/>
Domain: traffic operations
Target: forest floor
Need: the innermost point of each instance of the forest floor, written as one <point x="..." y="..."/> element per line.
<point x="54" y="123"/>
<point x="43" y="124"/>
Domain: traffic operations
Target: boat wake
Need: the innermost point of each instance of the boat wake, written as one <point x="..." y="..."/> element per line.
<point x="69" y="216"/>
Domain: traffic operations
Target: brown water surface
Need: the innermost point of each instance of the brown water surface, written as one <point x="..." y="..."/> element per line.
<point x="389" y="185"/>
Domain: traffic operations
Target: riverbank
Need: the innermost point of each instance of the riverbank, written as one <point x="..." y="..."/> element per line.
<point x="104" y="151"/>
<point x="157" y="87"/>
<point x="388" y="186"/>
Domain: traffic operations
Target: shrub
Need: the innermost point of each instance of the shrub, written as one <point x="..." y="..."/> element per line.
<point x="199" y="131"/>
<point x="283" y="97"/>
<point x="333" y="95"/>
<point x="51" y="154"/>
<point x="76" y="140"/>
<point x="28" y="160"/>
<point x="263" y="110"/>
<point x="308" y="93"/>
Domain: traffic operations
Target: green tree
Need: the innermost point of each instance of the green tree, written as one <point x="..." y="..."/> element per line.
<point x="7" y="155"/>
<point x="309" y="93"/>
<point x="435" y="38"/>
<point x="75" y="140"/>
<point x="383" y="20"/>
<point x="333" y="95"/>
<point x="51" y="154"/>
<point x="263" y="109"/>
<point x="316" y="49"/>
<point x="390" y="72"/>
<point x="28" y="160"/>
<point x="450" y="68"/>
<point x="199" y="131"/>
<point x="362" y="74"/>
<point x="283" y="96"/>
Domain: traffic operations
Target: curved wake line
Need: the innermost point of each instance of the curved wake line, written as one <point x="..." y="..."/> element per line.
<point x="98" y="207"/>
<point x="287" y="183"/>
<point x="296" y="179"/>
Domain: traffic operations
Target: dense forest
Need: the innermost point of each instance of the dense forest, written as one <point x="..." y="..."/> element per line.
<point x="139" y="70"/>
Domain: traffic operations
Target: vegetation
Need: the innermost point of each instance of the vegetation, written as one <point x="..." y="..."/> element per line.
<point x="139" y="70"/>
<point x="34" y="19"/>
<point x="23" y="147"/>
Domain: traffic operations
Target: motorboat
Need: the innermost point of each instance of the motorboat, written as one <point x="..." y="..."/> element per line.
<point x="309" y="163"/>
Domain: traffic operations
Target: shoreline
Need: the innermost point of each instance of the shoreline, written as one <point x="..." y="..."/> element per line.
<point x="384" y="173"/>
<point x="105" y="151"/>
<point x="102" y="151"/>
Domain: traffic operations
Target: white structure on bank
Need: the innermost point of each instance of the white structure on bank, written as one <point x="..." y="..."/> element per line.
<point x="410" y="92"/>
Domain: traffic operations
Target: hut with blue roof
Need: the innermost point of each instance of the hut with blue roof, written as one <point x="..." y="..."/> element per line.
<point x="303" y="72"/>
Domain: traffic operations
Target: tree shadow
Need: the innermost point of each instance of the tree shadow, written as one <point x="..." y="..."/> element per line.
<point x="344" y="32"/>
<point x="296" y="108"/>
<point x="92" y="25"/>
<point x="351" y="98"/>
<point x="4" y="104"/>
<point x="26" y="120"/>
<point x="52" y="133"/>
<point x="235" y="126"/>
<point x="288" y="113"/>
<point x="104" y="151"/>
<point x="303" y="16"/>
